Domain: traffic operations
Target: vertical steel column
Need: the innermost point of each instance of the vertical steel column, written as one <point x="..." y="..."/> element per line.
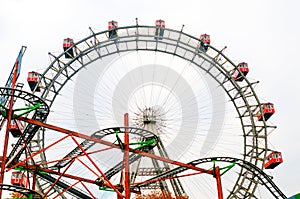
<point x="8" y="117"/>
<point x="219" y="184"/>
<point x="33" y="179"/>
<point x="126" y="158"/>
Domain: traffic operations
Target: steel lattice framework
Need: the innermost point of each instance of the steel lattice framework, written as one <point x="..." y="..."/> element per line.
<point x="177" y="43"/>
<point x="251" y="168"/>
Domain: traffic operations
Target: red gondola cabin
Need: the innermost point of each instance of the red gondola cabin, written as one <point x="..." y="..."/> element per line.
<point x="242" y="69"/>
<point x="16" y="128"/>
<point x="160" y="23"/>
<point x="273" y="160"/>
<point x="68" y="48"/>
<point x="33" y="79"/>
<point x="205" y="38"/>
<point x="112" y="25"/>
<point x="204" y="42"/>
<point x="19" y="179"/>
<point x="160" y="28"/>
<point x="267" y="111"/>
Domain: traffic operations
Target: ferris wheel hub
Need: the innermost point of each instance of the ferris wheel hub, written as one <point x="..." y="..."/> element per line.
<point x="151" y="118"/>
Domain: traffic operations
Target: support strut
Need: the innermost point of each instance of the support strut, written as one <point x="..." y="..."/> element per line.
<point x="100" y="141"/>
<point x="126" y="158"/>
<point x="9" y="117"/>
<point x="217" y="175"/>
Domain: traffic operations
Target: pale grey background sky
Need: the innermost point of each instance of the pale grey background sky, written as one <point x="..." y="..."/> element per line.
<point x="264" y="33"/>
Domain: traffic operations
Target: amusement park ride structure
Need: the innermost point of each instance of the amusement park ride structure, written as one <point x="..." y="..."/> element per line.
<point x="38" y="177"/>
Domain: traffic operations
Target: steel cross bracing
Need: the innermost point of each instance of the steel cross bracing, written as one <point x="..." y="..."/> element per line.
<point x="175" y="183"/>
<point x="144" y="134"/>
<point x="177" y="43"/>
<point x="64" y="185"/>
<point x="132" y="158"/>
<point x="177" y="187"/>
<point x="61" y="185"/>
<point x="39" y="114"/>
<point x="29" y="132"/>
<point x="42" y="183"/>
<point x="100" y="141"/>
<point x="47" y="175"/>
<point x="118" y="167"/>
<point x="258" y="173"/>
<point x="87" y="144"/>
<point x="46" y="180"/>
<point x="162" y="184"/>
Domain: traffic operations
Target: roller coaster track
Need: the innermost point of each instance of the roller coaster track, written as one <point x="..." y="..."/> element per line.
<point x="24" y="191"/>
<point x="64" y="185"/>
<point x="40" y="114"/>
<point x="145" y="135"/>
<point x="29" y="132"/>
<point x="253" y="169"/>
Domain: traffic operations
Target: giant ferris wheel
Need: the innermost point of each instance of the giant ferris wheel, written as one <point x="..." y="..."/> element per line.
<point x="137" y="110"/>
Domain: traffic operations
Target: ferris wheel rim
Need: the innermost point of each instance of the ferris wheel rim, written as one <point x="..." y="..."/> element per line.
<point x="223" y="71"/>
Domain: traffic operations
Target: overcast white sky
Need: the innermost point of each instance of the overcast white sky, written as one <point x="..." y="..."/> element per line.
<point x="264" y="33"/>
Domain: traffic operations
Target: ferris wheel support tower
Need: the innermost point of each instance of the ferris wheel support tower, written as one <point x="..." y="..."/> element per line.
<point x="149" y="118"/>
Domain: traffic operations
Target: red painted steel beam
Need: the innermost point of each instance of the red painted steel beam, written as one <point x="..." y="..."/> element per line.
<point x="33" y="180"/>
<point x="166" y="178"/>
<point x="72" y="157"/>
<point x="44" y="149"/>
<point x="98" y="169"/>
<point x="100" y="141"/>
<point x="88" y="190"/>
<point x="9" y="114"/>
<point x="59" y="177"/>
<point x="65" y="190"/>
<point x="33" y="168"/>
<point x="219" y="184"/>
<point x="126" y="158"/>
<point x="189" y="166"/>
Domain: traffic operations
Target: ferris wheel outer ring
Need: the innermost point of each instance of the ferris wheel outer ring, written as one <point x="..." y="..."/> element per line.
<point x="251" y="130"/>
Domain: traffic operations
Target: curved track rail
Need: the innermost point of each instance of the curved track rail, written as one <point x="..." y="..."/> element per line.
<point x="39" y="114"/>
<point x="144" y="135"/>
<point x="30" y="131"/>
<point x="26" y="192"/>
<point x="251" y="168"/>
